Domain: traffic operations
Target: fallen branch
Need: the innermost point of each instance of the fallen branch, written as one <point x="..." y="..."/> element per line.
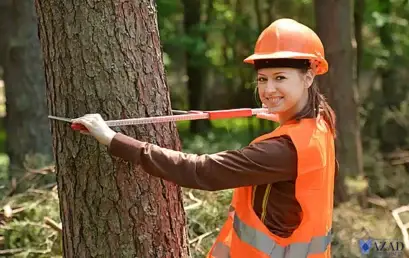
<point x="378" y="201"/>
<point x="399" y="157"/>
<point x="51" y="186"/>
<point x="13" y="187"/>
<point x="200" y="238"/>
<point x="11" y="251"/>
<point x="29" y="175"/>
<point x="42" y="171"/>
<point x="53" y="224"/>
<point x="195" y="205"/>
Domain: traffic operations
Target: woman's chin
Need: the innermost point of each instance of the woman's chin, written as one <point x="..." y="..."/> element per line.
<point x="275" y="110"/>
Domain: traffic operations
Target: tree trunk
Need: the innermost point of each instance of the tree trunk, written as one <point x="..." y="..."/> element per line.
<point x="104" y="57"/>
<point x="359" y="10"/>
<point x="334" y="26"/>
<point x="5" y="29"/>
<point x="195" y="70"/>
<point x="26" y="120"/>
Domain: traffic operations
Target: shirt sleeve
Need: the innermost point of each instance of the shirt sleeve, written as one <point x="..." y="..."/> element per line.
<point x="265" y="162"/>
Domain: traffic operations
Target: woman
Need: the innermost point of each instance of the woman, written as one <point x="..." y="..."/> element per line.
<point x="283" y="199"/>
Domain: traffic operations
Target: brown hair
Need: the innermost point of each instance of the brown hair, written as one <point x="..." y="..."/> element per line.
<point x="317" y="104"/>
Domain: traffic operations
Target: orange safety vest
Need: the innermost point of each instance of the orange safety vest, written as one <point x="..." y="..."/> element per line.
<point x="244" y="235"/>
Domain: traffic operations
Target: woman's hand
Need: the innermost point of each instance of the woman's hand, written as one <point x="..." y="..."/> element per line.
<point x="268" y="116"/>
<point x="96" y="127"/>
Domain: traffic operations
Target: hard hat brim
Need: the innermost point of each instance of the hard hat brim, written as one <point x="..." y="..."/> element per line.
<point x="288" y="54"/>
<point x="276" y="55"/>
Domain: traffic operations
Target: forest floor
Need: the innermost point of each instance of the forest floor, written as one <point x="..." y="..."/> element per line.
<point x="30" y="224"/>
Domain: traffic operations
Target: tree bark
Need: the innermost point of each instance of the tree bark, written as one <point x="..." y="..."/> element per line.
<point x="26" y="120"/>
<point x="359" y="10"/>
<point x="334" y="26"/>
<point x="104" y="57"/>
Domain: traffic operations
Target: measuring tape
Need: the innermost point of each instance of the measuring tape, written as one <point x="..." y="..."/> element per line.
<point x="179" y="116"/>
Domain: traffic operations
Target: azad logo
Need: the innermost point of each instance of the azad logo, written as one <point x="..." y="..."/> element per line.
<point x="392" y="247"/>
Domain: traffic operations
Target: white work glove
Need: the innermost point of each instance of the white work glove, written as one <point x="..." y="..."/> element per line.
<point x="96" y="127"/>
<point x="268" y="116"/>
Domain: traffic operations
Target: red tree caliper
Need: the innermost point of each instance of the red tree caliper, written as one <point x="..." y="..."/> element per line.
<point x="179" y="116"/>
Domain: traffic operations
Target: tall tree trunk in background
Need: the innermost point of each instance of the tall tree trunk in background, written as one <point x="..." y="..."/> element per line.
<point x="334" y="26"/>
<point x="5" y="29"/>
<point x="264" y="124"/>
<point x="27" y="125"/>
<point x="358" y="21"/>
<point x="195" y="70"/>
<point x="359" y="10"/>
<point x="104" y="57"/>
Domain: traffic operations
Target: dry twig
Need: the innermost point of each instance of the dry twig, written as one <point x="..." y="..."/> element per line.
<point x="29" y="175"/>
<point x="378" y="201"/>
<point x="42" y="171"/>
<point x="195" y="205"/>
<point x="53" y="224"/>
<point x="201" y="237"/>
<point x="11" y="251"/>
<point x="399" y="157"/>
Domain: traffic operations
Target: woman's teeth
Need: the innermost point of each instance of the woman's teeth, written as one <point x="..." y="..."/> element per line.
<point x="275" y="100"/>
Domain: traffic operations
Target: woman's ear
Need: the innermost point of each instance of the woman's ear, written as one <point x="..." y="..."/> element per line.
<point x="309" y="78"/>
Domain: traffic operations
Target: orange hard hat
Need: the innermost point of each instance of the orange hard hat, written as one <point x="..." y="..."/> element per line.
<point x="288" y="39"/>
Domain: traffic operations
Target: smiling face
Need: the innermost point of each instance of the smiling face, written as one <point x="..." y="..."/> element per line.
<point x="284" y="90"/>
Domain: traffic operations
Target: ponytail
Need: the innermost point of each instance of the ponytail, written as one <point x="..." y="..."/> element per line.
<point x="321" y="106"/>
<point x="318" y="105"/>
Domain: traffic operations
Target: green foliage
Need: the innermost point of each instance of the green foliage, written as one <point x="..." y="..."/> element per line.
<point x="225" y="135"/>
<point x="4" y="162"/>
<point x="351" y="223"/>
<point x="26" y="229"/>
<point x="207" y="211"/>
<point x="225" y="36"/>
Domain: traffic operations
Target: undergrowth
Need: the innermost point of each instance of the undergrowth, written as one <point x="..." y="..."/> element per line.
<point x="33" y="227"/>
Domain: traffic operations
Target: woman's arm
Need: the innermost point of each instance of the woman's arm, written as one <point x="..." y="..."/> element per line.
<point x="264" y="162"/>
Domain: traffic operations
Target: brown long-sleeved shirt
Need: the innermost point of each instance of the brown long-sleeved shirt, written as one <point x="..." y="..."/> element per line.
<point x="271" y="165"/>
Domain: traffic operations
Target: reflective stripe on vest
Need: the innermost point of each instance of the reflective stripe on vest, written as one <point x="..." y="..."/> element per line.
<point x="265" y="244"/>
<point x="221" y="251"/>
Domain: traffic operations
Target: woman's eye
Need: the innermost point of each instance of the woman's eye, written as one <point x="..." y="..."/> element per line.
<point x="261" y="79"/>
<point x="280" y="78"/>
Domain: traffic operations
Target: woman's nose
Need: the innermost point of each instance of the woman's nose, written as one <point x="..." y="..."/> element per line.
<point x="270" y="88"/>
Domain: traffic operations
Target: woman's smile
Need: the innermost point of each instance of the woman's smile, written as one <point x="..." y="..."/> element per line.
<point x="274" y="101"/>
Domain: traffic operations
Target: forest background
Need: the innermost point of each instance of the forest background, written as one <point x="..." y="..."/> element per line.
<point x="203" y="44"/>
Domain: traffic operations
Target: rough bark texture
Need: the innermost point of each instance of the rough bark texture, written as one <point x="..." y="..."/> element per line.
<point x="334" y="26"/>
<point x="27" y="125"/>
<point x="104" y="57"/>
